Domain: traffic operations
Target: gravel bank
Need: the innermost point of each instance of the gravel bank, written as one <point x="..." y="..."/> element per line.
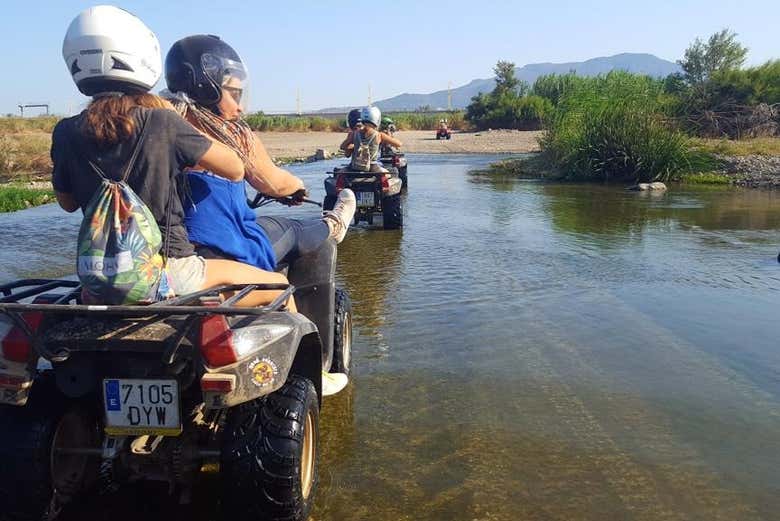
<point x="753" y="171"/>
<point x="304" y="144"/>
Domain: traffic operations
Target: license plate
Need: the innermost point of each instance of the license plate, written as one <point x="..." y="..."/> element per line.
<point x="137" y="407"/>
<point x="365" y="199"/>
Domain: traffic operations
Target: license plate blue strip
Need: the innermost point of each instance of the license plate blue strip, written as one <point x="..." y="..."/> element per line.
<point x="112" y="395"/>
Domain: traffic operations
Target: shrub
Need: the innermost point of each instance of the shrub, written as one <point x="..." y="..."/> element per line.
<point x="617" y="127"/>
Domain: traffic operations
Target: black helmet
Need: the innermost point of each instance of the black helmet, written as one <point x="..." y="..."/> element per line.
<point x="201" y="65"/>
<point x="353" y="118"/>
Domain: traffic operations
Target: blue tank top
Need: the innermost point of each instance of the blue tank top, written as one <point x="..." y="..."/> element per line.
<point x="216" y="215"/>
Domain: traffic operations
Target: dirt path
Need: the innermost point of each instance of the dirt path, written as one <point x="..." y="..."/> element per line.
<point x="304" y="144"/>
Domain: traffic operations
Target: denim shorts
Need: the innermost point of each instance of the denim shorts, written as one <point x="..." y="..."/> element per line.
<point x="186" y="274"/>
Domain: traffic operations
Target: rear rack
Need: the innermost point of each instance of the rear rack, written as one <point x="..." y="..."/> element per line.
<point x="183" y="305"/>
<point x="179" y="306"/>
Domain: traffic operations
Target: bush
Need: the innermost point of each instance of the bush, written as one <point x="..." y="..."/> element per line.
<point x="617" y="127"/>
<point x="14" y="198"/>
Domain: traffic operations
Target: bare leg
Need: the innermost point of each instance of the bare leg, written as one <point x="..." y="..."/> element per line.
<point x="220" y="272"/>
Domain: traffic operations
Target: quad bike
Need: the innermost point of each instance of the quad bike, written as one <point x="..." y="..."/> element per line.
<point x="390" y="157"/>
<point x="375" y="192"/>
<point x="443" y="133"/>
<point x="96" y="396"/>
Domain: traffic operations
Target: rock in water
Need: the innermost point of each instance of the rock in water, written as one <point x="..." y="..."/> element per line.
<point x="643" y="187"/>
<point x="321" y="154"/>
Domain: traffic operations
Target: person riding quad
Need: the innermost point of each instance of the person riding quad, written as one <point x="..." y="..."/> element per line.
<point x="353" y="123"/>
<point x="388" y="126"/>
<point x="443" y="131"/>
<point x="207" y="82"/>
<point x="140" y="143"/>
<point x="367" y="140"/>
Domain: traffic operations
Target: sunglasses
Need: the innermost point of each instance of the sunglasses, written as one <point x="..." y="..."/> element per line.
<point x="234" y="93"/>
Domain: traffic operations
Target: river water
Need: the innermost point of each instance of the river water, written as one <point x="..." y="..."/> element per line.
<point x="526" y="350"/>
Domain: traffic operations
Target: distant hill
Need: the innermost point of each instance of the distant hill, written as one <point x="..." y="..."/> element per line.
<point x="461" y="96"/>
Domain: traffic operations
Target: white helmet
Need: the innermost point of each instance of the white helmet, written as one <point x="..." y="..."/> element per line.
<point x="371" y="115"/>
<point x="108" y="49"/>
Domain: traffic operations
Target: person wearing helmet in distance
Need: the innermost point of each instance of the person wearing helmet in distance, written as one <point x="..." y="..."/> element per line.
<point x="135" y="136"/>
<point x="367" y="140"/>
<point x="353" y="124"/>
<point x="207" y="82"/>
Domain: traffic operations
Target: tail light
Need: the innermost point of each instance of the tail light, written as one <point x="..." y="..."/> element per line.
<point x="216" y="341"/>
<point x="385" y="182"/>
<point x="16" y="345"/>
<point x="396" y="160"/>
<point x="341" y="181"/>
<point x="218" y="383"/>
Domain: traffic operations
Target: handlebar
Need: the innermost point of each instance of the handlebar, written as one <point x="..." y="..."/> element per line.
<point x="295" y="199"/>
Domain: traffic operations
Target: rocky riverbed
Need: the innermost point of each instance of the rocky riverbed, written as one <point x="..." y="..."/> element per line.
<point x="754" y="171"/>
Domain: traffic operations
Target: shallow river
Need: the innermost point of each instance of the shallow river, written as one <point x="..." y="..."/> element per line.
<point x="536" y="351"/>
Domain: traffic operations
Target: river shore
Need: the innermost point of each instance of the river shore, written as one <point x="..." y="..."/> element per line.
<point x="301" y="145"/>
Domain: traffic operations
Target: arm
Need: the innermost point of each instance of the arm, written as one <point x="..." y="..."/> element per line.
<point x="347" y="145"/>
<point x="384" y="138"/>
<point x="222" y="161"/>
<point x="267" y="178"/>
<point x="66" y="201"/>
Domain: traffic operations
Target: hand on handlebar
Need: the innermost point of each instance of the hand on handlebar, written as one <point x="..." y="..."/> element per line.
<point x="297" y="198"/>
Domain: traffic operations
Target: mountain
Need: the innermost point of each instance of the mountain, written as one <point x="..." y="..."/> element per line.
<point x="461" y="96"/>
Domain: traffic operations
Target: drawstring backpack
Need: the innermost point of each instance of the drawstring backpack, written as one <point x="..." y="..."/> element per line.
<point x="361" y="156"/>
<point x="118" y="259"/>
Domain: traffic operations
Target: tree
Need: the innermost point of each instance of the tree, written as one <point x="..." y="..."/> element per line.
<point x="721" y="53"/>
<point x="505" y="78"/>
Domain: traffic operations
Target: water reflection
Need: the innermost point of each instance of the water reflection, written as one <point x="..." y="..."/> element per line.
<point x="368" y="268"/>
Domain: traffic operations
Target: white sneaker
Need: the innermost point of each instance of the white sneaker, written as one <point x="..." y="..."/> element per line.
<point x="333" y="383"/>
<point x="343" y="211"/>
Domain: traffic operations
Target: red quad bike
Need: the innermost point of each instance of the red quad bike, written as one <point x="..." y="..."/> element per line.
<point x="443" y="132"/>
<point x="95" y="396"/>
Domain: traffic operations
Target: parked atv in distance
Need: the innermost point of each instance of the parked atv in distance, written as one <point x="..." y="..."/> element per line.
<point x="392" y="158"/>
<point x="96" y="396"/>
<point x="375" y="193"/>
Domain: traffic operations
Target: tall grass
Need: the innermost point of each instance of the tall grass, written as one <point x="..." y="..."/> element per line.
<point x="24" y="153"/>
<point x="403" y="121"/>
<point x="37" y="124"/>
<point x="617" y="127"/>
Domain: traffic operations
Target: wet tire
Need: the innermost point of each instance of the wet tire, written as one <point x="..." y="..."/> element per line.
<point x="392" y="214"/>
<point x="30" y="470"/>
<point x="329" y="202"/>
<point x="342" y="337"/>
<point x="402" y="175"/>
<point x="268" y="464"/>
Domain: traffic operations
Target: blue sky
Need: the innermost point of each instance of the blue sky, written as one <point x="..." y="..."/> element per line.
<point x="331" y="51"/>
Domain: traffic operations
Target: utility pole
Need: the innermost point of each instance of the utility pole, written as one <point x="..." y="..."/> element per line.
<point x="369" y="94"/>
<point x="298" y="101"/>
<point x="449" y="96"/>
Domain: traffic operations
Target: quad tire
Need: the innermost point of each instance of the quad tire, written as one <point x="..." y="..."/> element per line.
<point x="32" y="469"/>
<point x="392" y="212"/>
<point x="268" y="464"/>
<point x="402" y="175"/>
<point x="329" y="202"/>
<point x="342" y="338"/>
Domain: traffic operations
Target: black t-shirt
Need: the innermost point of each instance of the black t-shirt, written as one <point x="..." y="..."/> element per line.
<point x="170" y="145"/>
